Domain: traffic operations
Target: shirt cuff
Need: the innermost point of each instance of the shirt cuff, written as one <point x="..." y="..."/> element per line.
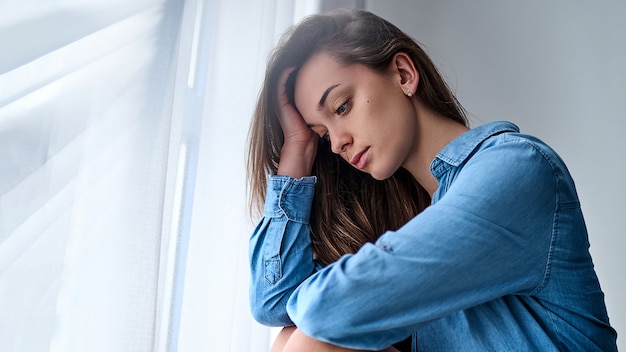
<point x="290" y="197"/>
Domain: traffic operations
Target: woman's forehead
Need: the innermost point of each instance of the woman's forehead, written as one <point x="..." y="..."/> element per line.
<point x="319" y="67"/>
<point x="321" y="72"/>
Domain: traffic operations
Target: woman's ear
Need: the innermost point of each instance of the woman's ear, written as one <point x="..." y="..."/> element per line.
<point x="404" y="67"/>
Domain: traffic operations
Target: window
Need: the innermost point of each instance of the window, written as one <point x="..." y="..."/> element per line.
<point x="122" y="191"/>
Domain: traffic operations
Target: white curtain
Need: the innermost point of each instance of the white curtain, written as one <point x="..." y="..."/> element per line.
<point x="85" y="115"/>
<point x="122" y="191"/>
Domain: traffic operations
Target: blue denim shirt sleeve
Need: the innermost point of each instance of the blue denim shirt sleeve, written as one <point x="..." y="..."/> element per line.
<point x="280" y="248"/>
<point x="488" y="236"/>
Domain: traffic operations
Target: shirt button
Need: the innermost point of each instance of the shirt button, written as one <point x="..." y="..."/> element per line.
<point x="385" y="246"/>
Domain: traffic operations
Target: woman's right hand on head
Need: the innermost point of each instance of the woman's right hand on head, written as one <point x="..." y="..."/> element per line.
<point x="300" y="145"/>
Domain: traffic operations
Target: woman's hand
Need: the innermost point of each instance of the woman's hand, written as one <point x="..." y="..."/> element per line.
<point x="300" y="146"/>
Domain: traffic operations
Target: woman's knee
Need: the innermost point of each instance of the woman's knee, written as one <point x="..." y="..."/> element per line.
<point x="299" y="342"/>
<point x="282" y="338"/>
<point x="293" y="340"/>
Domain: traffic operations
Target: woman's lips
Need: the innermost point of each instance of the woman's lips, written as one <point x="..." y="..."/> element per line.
<point x="360" y="159"/>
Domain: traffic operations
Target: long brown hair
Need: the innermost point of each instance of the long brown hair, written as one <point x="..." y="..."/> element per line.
<point x="350" y="207"/>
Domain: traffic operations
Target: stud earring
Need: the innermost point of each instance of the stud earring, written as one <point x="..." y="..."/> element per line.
<point x="409" y="93"/>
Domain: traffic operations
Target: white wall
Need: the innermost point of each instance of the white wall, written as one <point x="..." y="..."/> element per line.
<point x="557" y="70"/>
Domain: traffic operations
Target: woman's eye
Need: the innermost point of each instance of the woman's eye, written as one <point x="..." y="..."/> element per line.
<point x="343" y="108"/>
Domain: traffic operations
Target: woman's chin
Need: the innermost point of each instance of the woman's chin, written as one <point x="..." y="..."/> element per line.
<point x="380" y="176"/>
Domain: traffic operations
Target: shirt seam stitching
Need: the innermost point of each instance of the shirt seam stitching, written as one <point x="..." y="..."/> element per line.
<point x="555" y="219"/>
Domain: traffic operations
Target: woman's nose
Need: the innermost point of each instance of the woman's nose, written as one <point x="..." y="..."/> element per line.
<point x="339" y="142"/>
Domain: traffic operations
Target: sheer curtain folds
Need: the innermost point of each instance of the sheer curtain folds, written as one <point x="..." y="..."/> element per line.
<point x="85" y="115"/>
<point x="122" y="191"/>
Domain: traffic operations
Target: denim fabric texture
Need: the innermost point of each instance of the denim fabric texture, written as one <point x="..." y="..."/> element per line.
<point x="499" y="261"/>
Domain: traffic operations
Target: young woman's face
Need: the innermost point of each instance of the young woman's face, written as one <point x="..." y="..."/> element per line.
<point x="369" y="120"/>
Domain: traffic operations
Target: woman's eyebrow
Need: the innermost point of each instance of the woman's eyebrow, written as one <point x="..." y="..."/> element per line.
<point x="322" y="101"/>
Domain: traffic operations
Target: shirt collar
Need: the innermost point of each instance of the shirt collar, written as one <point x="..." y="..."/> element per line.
<point x="457" y="151"/>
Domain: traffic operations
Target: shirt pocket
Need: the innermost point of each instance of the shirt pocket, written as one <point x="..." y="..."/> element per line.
<point x="271" y="252"/>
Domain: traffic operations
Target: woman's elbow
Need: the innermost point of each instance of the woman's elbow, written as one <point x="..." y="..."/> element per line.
<point x="271" y="318"/>
<point x="269" y="312"/>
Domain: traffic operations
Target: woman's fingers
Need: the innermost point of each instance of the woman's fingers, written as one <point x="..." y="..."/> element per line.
<point x="291" y="121"/>
<point x="283" y="99"/>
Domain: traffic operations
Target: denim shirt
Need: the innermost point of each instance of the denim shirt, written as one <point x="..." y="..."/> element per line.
<point x="498" y="262"/>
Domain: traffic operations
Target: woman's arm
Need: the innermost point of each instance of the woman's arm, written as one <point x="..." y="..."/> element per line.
<point x="280" y="248"/>
<point x="489" y="236"/>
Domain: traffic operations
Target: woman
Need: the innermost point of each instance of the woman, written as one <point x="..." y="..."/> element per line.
<point x="387" y="219"/>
